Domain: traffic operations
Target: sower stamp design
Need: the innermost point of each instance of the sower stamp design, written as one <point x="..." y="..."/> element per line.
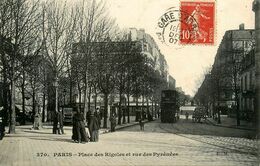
<point x="198" y="25"/>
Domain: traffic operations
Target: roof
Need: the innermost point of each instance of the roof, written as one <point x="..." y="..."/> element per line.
<point x="240" y="34"/>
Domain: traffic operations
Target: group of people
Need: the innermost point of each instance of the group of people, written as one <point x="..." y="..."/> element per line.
<point x="80" y="134"/>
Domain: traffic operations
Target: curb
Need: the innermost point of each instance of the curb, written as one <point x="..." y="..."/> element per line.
<point x="220" y="125"/>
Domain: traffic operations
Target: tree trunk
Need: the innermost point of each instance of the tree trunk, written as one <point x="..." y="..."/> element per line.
<point x="5" y="94"/>
<point x="79" y="89"/>
<point x="218" y="109"/>
<point x="155" y="111"/>
<point x="152" y="109"/>
<point x="136" y="110"/>
<point x="23" y="98"/>
<point x="89" y="98"/>
<point x="55" y="120"/>
<point x="85" y="99"/>
<point x="142" y="113"/>
<point x="95" y="98"/>
<point x="105" y="110"/>
<point x="33" y="104"/>
<point x="124" y="111"/>
<point x="5" y="102"/>
<point x="128" y="108"/>
<point x="71" y="86"/>
<point x="119" y="108"/>
<point x="13" y="113"/>
<point x="237" y="108"/>
<point x="147" y="104"/>
<point x="43" y="106"/>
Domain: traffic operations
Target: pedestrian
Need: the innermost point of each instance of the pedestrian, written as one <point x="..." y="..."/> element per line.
<point x="60" y="122"/>
<point x="79" y="133"/>
<point x="98" y="116"/>
<point x="94" y="126"/>
<point x="113" y="122"/>
<point x="187" y="115"/>
<point x="141" y="123"/>
<point x="55" y="122"/>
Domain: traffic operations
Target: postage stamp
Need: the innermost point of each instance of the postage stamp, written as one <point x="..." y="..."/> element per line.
<point x="197" y="25"/>
<point x="192" y="23"/>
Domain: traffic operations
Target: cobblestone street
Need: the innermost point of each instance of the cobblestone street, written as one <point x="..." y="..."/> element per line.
<point x="183" y="143"/>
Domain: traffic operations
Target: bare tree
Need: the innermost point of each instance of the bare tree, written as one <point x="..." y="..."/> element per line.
<point x="19" y="27"/>
<point x="58" y="29"/>
<point x="93" y="25"/>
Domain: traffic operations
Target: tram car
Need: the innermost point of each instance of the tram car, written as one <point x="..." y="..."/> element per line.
<point x="169" y="106"/>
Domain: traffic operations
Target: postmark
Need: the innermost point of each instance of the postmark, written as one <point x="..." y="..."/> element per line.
<point x="169" y="26"/>
<point x="201" y="31"/>
<point x="191" y="23"/>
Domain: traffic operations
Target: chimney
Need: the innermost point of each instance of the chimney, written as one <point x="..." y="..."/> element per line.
<point x="242" y="26"/>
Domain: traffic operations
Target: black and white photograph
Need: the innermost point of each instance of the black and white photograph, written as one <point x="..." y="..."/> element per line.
<point x="129" y="82"/>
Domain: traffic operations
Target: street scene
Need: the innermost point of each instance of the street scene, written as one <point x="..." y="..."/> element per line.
<point x="185" y="142"/>
<point x="85" y="82"/>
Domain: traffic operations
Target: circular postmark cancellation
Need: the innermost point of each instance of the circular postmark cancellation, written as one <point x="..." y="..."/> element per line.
<point x="174" y="26"/>
<point x="177" y="27"/>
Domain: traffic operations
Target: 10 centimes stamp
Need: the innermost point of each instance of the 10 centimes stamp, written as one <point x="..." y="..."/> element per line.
<point x="169" y="26"/>
<point x="198" y="22"/>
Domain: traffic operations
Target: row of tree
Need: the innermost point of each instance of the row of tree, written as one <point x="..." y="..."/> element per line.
<point x="38" y="54"/>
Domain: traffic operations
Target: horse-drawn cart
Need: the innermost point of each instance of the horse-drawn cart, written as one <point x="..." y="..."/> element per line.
<point x="198" y="114"/>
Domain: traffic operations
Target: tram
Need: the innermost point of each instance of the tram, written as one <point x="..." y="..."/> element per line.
<point x="169" y="106"/>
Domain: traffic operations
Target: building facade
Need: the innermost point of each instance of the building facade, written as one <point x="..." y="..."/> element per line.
<point x="247" y="88"/>
<point x="231" y="72"/>
<point x="151" y="50"/>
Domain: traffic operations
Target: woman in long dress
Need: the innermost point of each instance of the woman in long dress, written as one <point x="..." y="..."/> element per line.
<point x="79" y="133"/>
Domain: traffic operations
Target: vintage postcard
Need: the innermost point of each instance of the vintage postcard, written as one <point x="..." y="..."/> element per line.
<point x="129" y="82"/>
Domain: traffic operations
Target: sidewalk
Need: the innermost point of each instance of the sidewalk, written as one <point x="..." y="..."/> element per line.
<point x="232" y="123"/>
<point x="47" y="128"/>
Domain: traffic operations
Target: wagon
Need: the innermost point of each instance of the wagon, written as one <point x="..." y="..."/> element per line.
<point x="198" y="114"/>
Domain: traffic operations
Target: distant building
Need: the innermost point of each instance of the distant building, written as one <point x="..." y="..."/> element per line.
<point x="171" y="83"/>
<point x="235" y="45"/>
<point x="145" y="46"/>
<point x="151" y="50"/>
<point x="228" y="70"/>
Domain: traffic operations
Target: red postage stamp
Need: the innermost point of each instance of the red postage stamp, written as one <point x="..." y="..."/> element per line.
<point x="197" y="25"/>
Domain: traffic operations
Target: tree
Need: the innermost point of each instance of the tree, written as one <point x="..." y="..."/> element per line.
<point x="93" y="25"/>
<point x="18" y="22"/>
<point x="58" y="29"/>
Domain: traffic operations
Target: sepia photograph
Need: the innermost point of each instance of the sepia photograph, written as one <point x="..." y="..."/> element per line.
<point x="129" y="82"/>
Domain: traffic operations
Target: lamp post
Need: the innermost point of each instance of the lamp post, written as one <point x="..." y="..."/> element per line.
<point x="55" y="84"/>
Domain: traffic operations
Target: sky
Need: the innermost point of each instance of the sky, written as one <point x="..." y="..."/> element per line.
<point x="187" y="64"/>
